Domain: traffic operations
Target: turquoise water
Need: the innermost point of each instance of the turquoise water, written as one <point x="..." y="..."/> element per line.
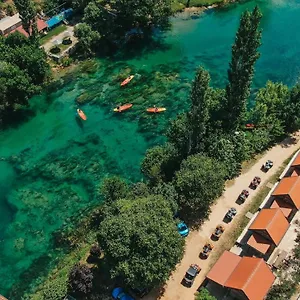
<point x="52" y="164"/>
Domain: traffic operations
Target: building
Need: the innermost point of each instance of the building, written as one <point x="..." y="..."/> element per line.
<point x="8" y="24"/>
<point x="267" y="230"/>
<point x="12" y="24"/>
<point x="244" y="278"/>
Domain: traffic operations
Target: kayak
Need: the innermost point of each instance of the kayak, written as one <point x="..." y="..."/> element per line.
<point x="123" y="107"/>
<point x="81" y="114"/>
<point x="156" y="110"/>
<point x="127" y="80"/>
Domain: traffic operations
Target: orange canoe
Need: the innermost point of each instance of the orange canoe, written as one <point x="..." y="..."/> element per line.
<point x="81" y="114"/>
<point x="127" y="80"/>
<point x="156" y="109"/>
<point x="123" y="107"/>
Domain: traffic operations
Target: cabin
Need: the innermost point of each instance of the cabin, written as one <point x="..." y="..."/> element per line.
<point x="243" y="278"/>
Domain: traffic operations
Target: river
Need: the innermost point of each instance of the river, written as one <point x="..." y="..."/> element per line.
<point x="52" y="164"/>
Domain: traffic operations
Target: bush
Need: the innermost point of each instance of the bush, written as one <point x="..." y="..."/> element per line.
<point x="81" y="280"/>
<point x="95" y="250"/>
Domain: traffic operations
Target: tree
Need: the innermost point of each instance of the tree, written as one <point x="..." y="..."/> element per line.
<point x="199" y="115"/>
<point x="87" y="39"/>
<point x="16" y="87"/>
<point x="160" y="163"/>
<point x="241" y="69"/>
<point x="114" y="188"/>
<point x="117" y="18"/>
<point x="27" y="11"/>
<point x="95" y="250"/>
<point x="138" y="190"/>
<point x="140" y="241"/>
<point x="81" y="280"/>
<point x="270" y="107"/>
<point x="178" y="134"/>
<point x="204" y="295"/>
<point x="284" y="290"/>
<point x="292" y="110"/>
<point x="198" y="183"/>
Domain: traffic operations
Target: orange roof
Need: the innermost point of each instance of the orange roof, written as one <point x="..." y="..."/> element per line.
<point x="296" y="172"/>
<point x="224" y="267"/>
<point x="289" y="186"/>
<point x="273" y="221"/>
<point x="283" y="205"/>
<point x="248" y="274"/>
<point x="296" y="161"/>
<point x="259" y="243"/>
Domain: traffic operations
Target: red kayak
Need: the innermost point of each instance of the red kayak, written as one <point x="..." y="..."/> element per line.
<point x="127" y="80"/>
<point x="81" y="114"/>
<point x="123" y="107"/>
<point x="156" y="109"/>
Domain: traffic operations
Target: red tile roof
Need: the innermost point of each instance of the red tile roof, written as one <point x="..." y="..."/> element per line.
<point x="273" y="221"/>
<point x="296" y="161"/>
<point x="259" y="243"/>
<point x="41" y="25"/>
<point x="248" y="274"/>
<point x="283" y="205"/>
<point x="289" y="186"/>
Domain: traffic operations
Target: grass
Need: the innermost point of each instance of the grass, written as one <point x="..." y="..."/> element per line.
<point x="241" y="221"/>
<point x="57" y="30"/>
<point x="179" y="5"/>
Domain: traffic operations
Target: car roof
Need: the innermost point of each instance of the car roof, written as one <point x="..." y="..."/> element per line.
<point x="192" y="271"/>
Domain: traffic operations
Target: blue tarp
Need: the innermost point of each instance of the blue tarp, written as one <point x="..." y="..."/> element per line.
<point x="59" y="18"/>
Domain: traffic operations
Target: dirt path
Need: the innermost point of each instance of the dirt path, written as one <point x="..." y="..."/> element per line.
<point x="174" y="290"/>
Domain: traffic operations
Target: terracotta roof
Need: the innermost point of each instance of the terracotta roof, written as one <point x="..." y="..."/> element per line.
<point x="224" y="267"/>
<point x="289" y="186"/>
<point x="41" y="25"/>
<point x="259" y="243"/>
<point x="296" y="161"/>
<point x="248" y="274"/>
<point x="2" y="297"/>
<point x="273" y="221"/>
<point x="283" y="205"/>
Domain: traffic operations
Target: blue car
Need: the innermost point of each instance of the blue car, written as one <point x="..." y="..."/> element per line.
<point x="119" y="294"/>
<point x="183" y="229"/>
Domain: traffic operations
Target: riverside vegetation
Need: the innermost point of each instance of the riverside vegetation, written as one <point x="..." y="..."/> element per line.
<point x="135" y="228"/>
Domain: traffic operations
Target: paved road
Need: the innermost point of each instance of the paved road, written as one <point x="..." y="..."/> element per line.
<point x="195" y="241"/>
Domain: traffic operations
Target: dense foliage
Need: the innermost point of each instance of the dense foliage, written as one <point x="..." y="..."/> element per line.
<point x="27" y="11"/>
<point x="199" y="181"/>
<point x="23" y="69"/>
<point x="241" y="69"/>
<point x="114" y="188"/>
<point x="80" y="280"/>
<point x="204" y="294"/>
<point x="140" y="240"/>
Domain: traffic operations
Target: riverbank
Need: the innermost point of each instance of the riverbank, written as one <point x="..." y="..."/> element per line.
<point x="64" y="152"/>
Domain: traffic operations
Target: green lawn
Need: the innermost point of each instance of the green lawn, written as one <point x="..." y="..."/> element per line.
<point x="57" y="30"/>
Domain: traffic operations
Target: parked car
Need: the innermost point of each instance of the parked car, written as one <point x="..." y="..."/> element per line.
<point x="267" y="166"/>
<point x="206" y="250"/>
<point x="255" y="182"/>
<point x="230" y="214"/>
<point x="243" y="195"/>
<point x="191" y="274"/>
<point x="183" y="229"/>
<point x="119" y="294"/>
<point x="218" y="231"/>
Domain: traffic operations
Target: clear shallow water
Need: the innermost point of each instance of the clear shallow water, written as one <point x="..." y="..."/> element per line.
<point x="52" y="164"/>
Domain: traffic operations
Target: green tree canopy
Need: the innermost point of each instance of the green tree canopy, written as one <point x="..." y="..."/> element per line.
<point x="160" y="163"/>
<point x="27" y="11"/>
<point x="199" y="182"/>
<point x="241" y="69"/>
<point x="114" y="188"/>
<point x="199" y="114"/>
<point x="112" y="19"/>
<point x="204" y="295"/>
<point x="87" y="39"/>
<point x="140" y="241"/>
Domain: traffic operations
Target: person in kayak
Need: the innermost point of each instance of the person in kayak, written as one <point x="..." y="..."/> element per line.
<point x="155" y="109"/>
<point x="119" y="108"/>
